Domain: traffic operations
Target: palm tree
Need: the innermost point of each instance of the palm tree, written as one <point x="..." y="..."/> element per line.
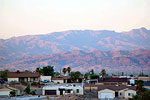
<point x="69" y="70"/>
<point x="64" y="70"/>
<point x="103" y="73"/>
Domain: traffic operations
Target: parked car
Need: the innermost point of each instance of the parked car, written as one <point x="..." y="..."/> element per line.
<point x="46" y="81"/>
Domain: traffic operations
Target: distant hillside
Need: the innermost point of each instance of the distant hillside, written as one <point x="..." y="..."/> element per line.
<point x="81" y="49"/>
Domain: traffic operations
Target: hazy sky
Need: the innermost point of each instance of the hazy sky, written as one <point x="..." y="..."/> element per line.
<point x="26" y="17"/>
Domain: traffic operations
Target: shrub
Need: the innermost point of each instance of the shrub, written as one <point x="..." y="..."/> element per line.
<point x="33" y="92"/>
<point x="12" y="93"/>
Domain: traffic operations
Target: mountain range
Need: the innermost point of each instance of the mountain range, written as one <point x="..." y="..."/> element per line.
<point x="79" y="49"/>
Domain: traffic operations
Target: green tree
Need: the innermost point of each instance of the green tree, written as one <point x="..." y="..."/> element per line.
<point x="56" y="74"/>
<point x="140" y="85"/>
<point x="33" y="92"/>
<point x="69" y="70"/>
<point x="75" y="75"/>
<point x="4" y="75"/>
<point x="27" y="89"/>
<point x="47" y="71"/>
<point x="141" y="96"/>
<point x="64" y="70"/>
<point x="12" y="93"/>
<point x="94" y="76"/>
<point x="103" y="73"/>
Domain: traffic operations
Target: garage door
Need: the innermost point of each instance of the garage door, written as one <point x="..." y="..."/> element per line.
<point x="50" y="92"/>
<point x="4" y="93"/>
<point x="106" y="95"/>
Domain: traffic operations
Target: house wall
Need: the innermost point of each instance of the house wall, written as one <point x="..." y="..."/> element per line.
<point x="74" y="90"/>
<point x="106" y="91"/>
<point x="5" y="92"/>
<point x="122" y="94"/>
<point x="58" y="81"/>
<point x="129" y="91"/>
<point x="13" y="79"/>
<point x="42" y="78"/>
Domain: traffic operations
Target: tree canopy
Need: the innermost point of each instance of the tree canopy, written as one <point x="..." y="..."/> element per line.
<point x="75" y="75"/>
<point x="4" y="75"/>
<point x="47" y="71"/>
<point x="103" y="73"/>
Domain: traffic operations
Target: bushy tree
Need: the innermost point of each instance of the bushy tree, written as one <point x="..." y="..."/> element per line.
<point x="75" y="75"/>
<point x="12" y="93"/>
<point x="33" y="92"/>
<point x="141" y="96"/>
<point x="4" y="75"/>
<point x="56" y="73"/>
<point x="94" y="76"/>
<point x="47" y="71"/>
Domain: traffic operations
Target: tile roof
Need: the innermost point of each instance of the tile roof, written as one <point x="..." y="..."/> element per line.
<point x="63" y="77"/>
<point x="146" y="83"/>
<point x="116" y="88"/>
<point x="22" y="74"/>
<point x="112" y="80"/>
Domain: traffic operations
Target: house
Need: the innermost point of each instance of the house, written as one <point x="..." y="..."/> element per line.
<point x="111" y="92"/>
<point x="23" y="76"/>
<point x="144" y="78"/>
<point x="45" y="78"/>
<point x="66" y="79"/>
<point x="5" y="91"/>
<point x="63" y="89"/>
<point x="112" y="81"/>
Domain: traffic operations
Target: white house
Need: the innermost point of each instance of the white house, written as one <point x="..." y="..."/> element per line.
<point x="111" y="92"/>
<point x="66" y="79"/>
<point x="5" y="91"/>
<point x="63" y="89"/>
<point x="132" y="81"/>
<point x="23" y="76"/>
<point x="42" y="78"/>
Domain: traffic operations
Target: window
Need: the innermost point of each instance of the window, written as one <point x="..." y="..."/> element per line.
<point x="68" y="91"/>
<point x="77" y="90"/>
<point x="130" y="94"/>
<point x="120" y="93"/>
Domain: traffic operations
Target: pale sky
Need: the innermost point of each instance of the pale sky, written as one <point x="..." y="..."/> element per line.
<point x="29" y="17"/>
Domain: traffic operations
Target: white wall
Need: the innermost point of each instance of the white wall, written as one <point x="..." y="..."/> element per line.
<point x="5" y="92"/>
<point x="13" y="79"/>
<point x="42" y="78"/>
<point x="129" y="91"/>
<point x="58" y="81"/>
<point x="132" y="81"/>
<point x="55" y="87"/>
<point x="106" y="91"/>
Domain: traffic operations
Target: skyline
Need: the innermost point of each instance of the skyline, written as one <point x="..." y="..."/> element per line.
<point x="32" y="17"/>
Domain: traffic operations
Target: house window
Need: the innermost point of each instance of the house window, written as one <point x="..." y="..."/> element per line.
<point x="77" y="90"/>
<point x="120" y="93"/>
<point x="130" y="94"/>
<point x="68" y="91"/>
